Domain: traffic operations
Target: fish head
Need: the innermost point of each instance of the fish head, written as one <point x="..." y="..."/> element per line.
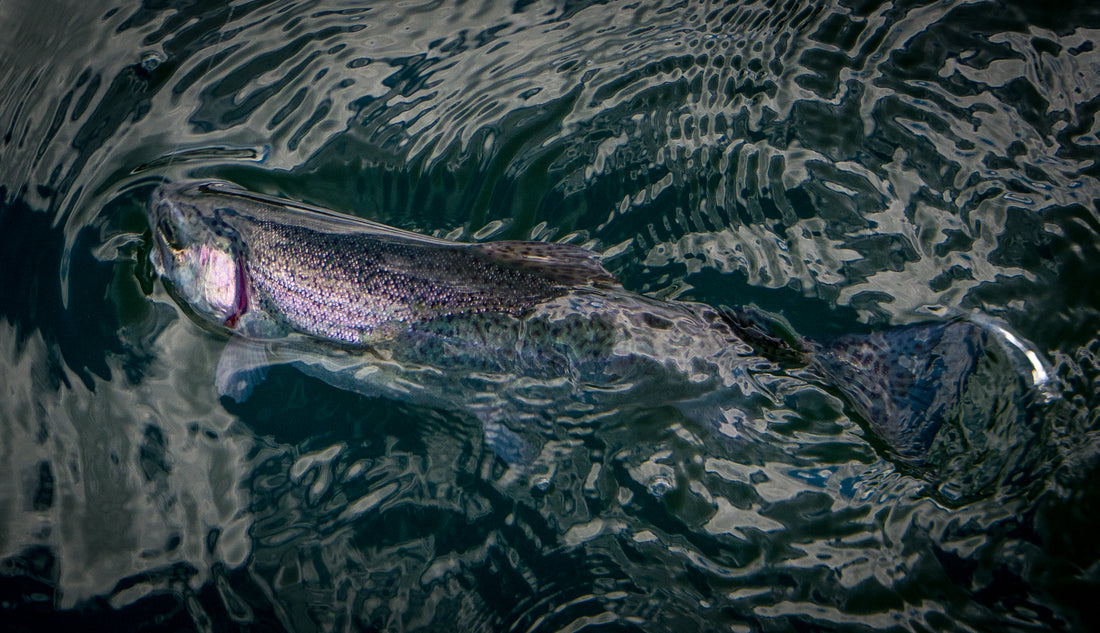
<point x="198" y="253"/>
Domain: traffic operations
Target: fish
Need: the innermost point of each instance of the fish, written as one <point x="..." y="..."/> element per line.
<point x="512" y="331"/>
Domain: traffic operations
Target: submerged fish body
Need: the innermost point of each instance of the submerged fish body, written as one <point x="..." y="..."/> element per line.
<point x="505" y="330"/>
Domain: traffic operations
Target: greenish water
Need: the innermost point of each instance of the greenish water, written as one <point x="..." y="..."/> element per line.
<point x="844" y="166"/>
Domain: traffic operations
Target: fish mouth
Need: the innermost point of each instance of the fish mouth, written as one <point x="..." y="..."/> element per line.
<point x="159" y="255"/>
<point x="156" y="257"/>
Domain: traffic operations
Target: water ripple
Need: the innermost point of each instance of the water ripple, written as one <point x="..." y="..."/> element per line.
<point x="839" y="164"/>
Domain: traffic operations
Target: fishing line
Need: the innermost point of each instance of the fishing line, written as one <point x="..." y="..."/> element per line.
<point x="145" y="270"/>
<point x="209" y="67"/>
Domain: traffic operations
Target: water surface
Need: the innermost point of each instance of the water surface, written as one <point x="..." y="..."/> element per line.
<point x="844" y="166"/>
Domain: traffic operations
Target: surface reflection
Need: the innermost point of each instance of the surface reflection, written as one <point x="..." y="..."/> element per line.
<point x="842" y="166"/>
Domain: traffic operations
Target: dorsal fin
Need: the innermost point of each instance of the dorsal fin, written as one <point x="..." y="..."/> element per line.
<point x="764" y="334"/>
<point x="561" y="263"/>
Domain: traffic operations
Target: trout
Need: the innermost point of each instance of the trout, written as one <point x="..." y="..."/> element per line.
<point x="510" y="331"/>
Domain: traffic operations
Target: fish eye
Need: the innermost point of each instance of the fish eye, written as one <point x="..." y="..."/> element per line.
<point x="168" y="234"/>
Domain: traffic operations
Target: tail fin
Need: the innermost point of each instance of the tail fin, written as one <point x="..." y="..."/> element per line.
<point x="905" y="382"/>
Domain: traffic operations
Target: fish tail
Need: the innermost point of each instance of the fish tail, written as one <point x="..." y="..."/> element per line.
<point x="904" y="382"/>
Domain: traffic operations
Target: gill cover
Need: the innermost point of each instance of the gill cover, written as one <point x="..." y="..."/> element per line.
<point x="198" y="256"/>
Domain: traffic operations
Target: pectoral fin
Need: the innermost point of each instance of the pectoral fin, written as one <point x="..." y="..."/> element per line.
<point x="507" y="444"/>
<point x="243" y="365"/>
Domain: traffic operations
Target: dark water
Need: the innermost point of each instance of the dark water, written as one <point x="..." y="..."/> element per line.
<point x="842" y="165"/>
